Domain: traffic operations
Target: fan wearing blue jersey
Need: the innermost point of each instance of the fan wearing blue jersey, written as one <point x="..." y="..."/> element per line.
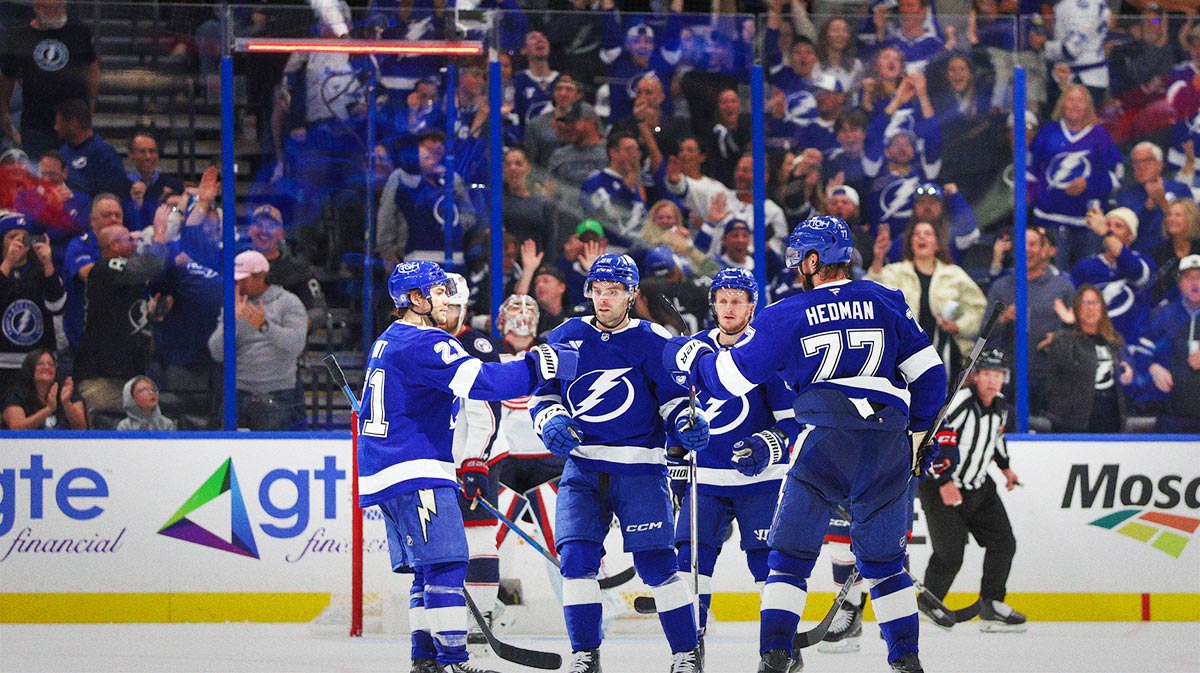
<point x="865" y="375"/>
<point x="731" y="485"/>
<point x="612" y="424"/>
<point x="414" y="376"/>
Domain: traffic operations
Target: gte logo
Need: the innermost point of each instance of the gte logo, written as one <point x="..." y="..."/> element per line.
<point x="640" y="527"/>
<point x="290" y="518"/>
<point x="74" y="493"/>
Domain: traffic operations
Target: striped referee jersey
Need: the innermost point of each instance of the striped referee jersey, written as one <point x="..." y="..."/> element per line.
<point x="980" y="437"/>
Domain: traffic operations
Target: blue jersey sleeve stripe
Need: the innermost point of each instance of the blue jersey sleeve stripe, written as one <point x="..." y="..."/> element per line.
<point x="464" y="377"/>
<point x="919" y="363"/>
<point x="421" y="468"/>
<point x="730" y="376"/>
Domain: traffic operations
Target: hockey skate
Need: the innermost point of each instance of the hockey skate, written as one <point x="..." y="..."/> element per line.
<point x="477" y="643"/>
<point x="844" y="632"/>
<point x="909" y="663"/>
<point x="999" y="617"/>
<point x="778" y="661"/>
<point x="935" y="613"/>
<point x="686" y="662"/>
<point x="464" y="667"/>
<point x="585" y="661"/>
<point x="424" y="666"/>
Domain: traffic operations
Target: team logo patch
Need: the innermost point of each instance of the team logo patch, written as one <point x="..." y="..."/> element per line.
<point x="896" y="200"/>
<point x="51" y="55"/>
<point x="726" y="415"/>
<point x="1066" y="167"/>
<point x="601" y="395"/>
<point x="79" y="163"/>
<point x="22" y="323"/>
<point x="483" y="345"/>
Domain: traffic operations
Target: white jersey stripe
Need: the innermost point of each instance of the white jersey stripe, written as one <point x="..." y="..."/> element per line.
<point x="421" y="468"/>
<point x="920" y="362"/>
<point x="712" y="476"/>
<point x="729" y="375"/>
<point x="464" y="377"/>
<point x="626" y="455"/>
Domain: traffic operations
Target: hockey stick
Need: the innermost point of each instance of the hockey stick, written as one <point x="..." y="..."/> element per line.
<point x="693" y="498"/>
<point x="939" y="607"/>
<point x="609" y="582"/>
<point x="517" y="655"/>
<point x="549" y="661"/>
<point x="817" y="633"/>
<point x="980" y="341"/>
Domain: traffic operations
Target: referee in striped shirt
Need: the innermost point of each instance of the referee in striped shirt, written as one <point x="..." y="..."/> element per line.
<point x="967" y="502"/>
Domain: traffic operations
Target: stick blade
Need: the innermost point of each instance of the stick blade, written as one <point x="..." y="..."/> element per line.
<point x="547" y="661"/>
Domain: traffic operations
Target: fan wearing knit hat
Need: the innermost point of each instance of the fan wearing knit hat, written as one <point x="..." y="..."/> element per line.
<point x="1122" y="274"/>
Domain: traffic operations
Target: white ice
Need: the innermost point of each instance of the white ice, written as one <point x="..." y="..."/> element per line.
<point x="1056" y="647"/>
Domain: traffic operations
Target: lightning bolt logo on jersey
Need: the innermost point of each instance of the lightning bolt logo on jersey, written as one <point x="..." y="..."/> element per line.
<point x="1059" y="156"/>
<point x="736" y="419"/>
<point x="620" y="396"/>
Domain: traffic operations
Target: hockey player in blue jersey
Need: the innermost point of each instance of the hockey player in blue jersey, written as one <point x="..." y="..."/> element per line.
<point x="414" y="375"/>
<point x="612" y="423"/>
<point x="865" y="374"/>
<point x="731" y="488"/>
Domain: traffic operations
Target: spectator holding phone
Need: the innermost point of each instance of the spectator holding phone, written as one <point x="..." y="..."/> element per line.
<point x="31" y="294"/>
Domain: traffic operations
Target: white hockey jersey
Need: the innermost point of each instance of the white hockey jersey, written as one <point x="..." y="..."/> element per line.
<point x="1080" y="29"/>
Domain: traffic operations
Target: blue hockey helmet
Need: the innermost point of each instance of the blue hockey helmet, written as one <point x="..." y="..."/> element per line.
<point x="827" y="235"/>
<point x="613" y="268"/>
<point x="423" y="276"/>
<point x="734" y="278"/>
<point x="659" y="261"/>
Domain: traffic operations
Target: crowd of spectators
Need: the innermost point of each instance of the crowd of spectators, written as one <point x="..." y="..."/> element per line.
<point x="627" y="127"/>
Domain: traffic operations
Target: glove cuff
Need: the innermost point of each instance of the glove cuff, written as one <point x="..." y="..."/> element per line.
<point x="546" y="414"/>
<point x="546" y="359"/>
<point x="776" y="443"/>
<point x="687" y="355"/>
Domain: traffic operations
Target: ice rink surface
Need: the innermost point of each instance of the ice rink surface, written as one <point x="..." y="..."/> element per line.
<point x="1057" y="647"/>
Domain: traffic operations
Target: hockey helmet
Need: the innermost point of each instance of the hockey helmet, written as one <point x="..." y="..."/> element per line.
<point x="613" y="268"/>
<point x="992" y="358"/>
<point x="518" y="315"/>
<point x="422" y="276"/>
<point x="827" y="235"/>
<point x="734" y="278"/>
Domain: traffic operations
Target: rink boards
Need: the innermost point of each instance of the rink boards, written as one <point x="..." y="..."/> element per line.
<point x="192" y="528"/>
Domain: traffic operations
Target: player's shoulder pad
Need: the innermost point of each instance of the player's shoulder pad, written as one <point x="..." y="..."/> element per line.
<point x="568" y="329"/>
<point x="653" y="327"/>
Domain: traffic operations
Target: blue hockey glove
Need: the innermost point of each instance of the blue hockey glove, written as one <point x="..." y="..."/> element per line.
<point x="474" y="476"/>
<point x="692" y="435"/>
<point x="555" y="361"/>
<point x="680" y="353"/>
<point x="753" y="454"/>
<point x="559" y="432"/>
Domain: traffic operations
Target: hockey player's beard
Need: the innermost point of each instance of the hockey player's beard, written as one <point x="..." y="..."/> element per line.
<point x="808" y="281"/>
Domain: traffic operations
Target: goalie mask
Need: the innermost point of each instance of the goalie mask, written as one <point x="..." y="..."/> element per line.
<point x="518" y="316"/>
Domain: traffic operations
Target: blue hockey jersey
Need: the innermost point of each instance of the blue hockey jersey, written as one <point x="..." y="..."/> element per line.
<point x="622" y="397"/>
<point x="1057" y="157"/>
<point x="732" y="420"/>
<point x="413" y="378"/>
<point x="856" y="337"/>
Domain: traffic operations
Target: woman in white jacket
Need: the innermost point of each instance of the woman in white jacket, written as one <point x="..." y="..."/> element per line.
<point x="946" y="302"/>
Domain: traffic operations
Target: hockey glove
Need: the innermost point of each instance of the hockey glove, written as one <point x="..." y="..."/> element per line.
<point x="559" y="432"/>
<point x="474" y="476"/>
<point x="555" y="361"/>
<point x="681" y="353"/>
<point x="753" y="454"/>
<point x="942" y="455"/>
<point x="677" y="470"/>
<point x="692" y="434"/>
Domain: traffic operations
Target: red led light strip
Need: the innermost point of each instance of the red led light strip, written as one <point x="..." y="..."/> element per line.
<point x="356" y="46"/>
